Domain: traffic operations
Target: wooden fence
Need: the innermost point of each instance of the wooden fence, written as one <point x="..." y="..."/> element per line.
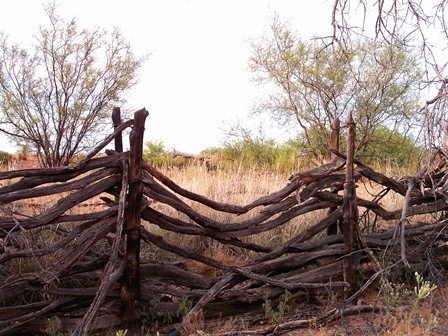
<point x="85" y="271"/>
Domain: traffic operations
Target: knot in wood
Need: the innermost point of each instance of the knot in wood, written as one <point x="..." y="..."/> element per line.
<point x="133" y="233"/>
<point x="131" y="263"/>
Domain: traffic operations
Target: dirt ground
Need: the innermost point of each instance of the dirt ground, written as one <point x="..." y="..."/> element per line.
<point x="428" y="316"/>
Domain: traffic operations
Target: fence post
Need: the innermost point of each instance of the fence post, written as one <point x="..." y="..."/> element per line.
<point x="334" y="144"/>
<point x="350" y="208"/>
<point x="130" y="292"/>
<point x="116" y="119"/>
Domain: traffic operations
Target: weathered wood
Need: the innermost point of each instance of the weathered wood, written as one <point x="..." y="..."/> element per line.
<point x="114" y="268"/>
<point x="191" y="195"/>
<point x="62" y="206"/>
<point x="34" y="177"/>
<point x="103" y="144"/>
<point x="14" y="323"/>
<point x="350" y="207"/>
<point x="131" y="289"/>
<point x="206" y="298"/>
<point x="56" y="188"/>
<point x="85" y="245"/>
<point x="67" y="325"/>
<point x="116" y="119"/>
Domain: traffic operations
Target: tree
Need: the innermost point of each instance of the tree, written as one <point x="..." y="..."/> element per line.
<point x="311" y="83"/>
<point x="424" y="25"/>
<point x="57" y="99"/>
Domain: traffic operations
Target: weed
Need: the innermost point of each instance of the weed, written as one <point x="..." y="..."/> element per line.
<point x="412" y="322"/>
<point x="54" y="327"/>
<point x="149" y="313"/>
<point x="394" y="294"/>
<point x="185" y="305"/>
<point x="423" y="288"/>
<point x="282" y="307"/>
<point x="267" y="306"/>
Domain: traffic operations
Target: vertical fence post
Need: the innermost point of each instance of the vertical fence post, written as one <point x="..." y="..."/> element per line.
<point x="334" y="145"/>
<point x="350" y="208"/>
<point x="131" y="290"/>
<point x="116" y="119"/>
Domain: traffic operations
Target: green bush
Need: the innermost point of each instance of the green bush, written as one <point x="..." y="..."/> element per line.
<point x="5" y="157"/>
<point x="154" y="152"/>
<point x="391" y="149"/>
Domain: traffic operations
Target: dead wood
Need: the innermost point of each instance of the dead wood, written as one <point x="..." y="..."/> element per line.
<point x="14" y="323"/>
<point x="55" y="188"/>
<point x="91" y="246"/>
<point x="114" y="268"/>
<point x="188" y="194"/>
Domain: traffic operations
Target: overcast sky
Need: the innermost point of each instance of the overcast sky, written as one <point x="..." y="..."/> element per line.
<point x="196" y="77"/>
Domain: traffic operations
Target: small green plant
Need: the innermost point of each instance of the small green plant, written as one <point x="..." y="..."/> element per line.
<point x="149" y="313"/>
<point x="282" y="307"/>
<point x="243" y="324"/>
<point x="267" y="306"/>
<point x="412" y="322"/>
<point x="185" y="305"/>
<point x="394" y="294"/>
<point x="54" y="327"/>
<point x="423" y="288"/>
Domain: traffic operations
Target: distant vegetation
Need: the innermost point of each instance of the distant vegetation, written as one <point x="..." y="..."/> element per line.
<point x="5" y="157"/>
<point x="390" y="151"/>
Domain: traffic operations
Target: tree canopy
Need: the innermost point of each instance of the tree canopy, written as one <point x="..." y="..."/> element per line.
<point x="309" y="83"/>
<point x="56" y="99"/>
<point x="423" y="25"/>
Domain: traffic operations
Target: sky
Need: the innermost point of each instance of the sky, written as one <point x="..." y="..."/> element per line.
<point x="196" y="80"/>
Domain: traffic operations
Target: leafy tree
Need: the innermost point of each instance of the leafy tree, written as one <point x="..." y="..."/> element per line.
<point x="391" y="147"/>
<point x="424" y="24"/>
<point x="57" y="98"/>
<point x="311" y="83"/>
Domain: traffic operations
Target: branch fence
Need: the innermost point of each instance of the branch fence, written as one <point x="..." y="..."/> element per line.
<point x="92" y="275"/>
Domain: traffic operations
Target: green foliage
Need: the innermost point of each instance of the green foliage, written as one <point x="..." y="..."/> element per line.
<point x="149" y="313"/>
<point x="5" y="157"/>
<point x="394" y="295"/>
<point x="57" y="96"/>
<point x="397" y="295"/>
<point x="54" y="327"/>
<point x="249" y="154"/>
<point x="317" y="140"/>
<point x="276" y="315"/>
<point x="185" y="305"/>
<point x="423" y="288"/>
<point x="387" y="147"/>
<point x="154" y="152"/>
<point x="309" y="83"/>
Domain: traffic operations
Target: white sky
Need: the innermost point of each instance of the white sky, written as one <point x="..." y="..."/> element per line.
<point x="196" y="77"/>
